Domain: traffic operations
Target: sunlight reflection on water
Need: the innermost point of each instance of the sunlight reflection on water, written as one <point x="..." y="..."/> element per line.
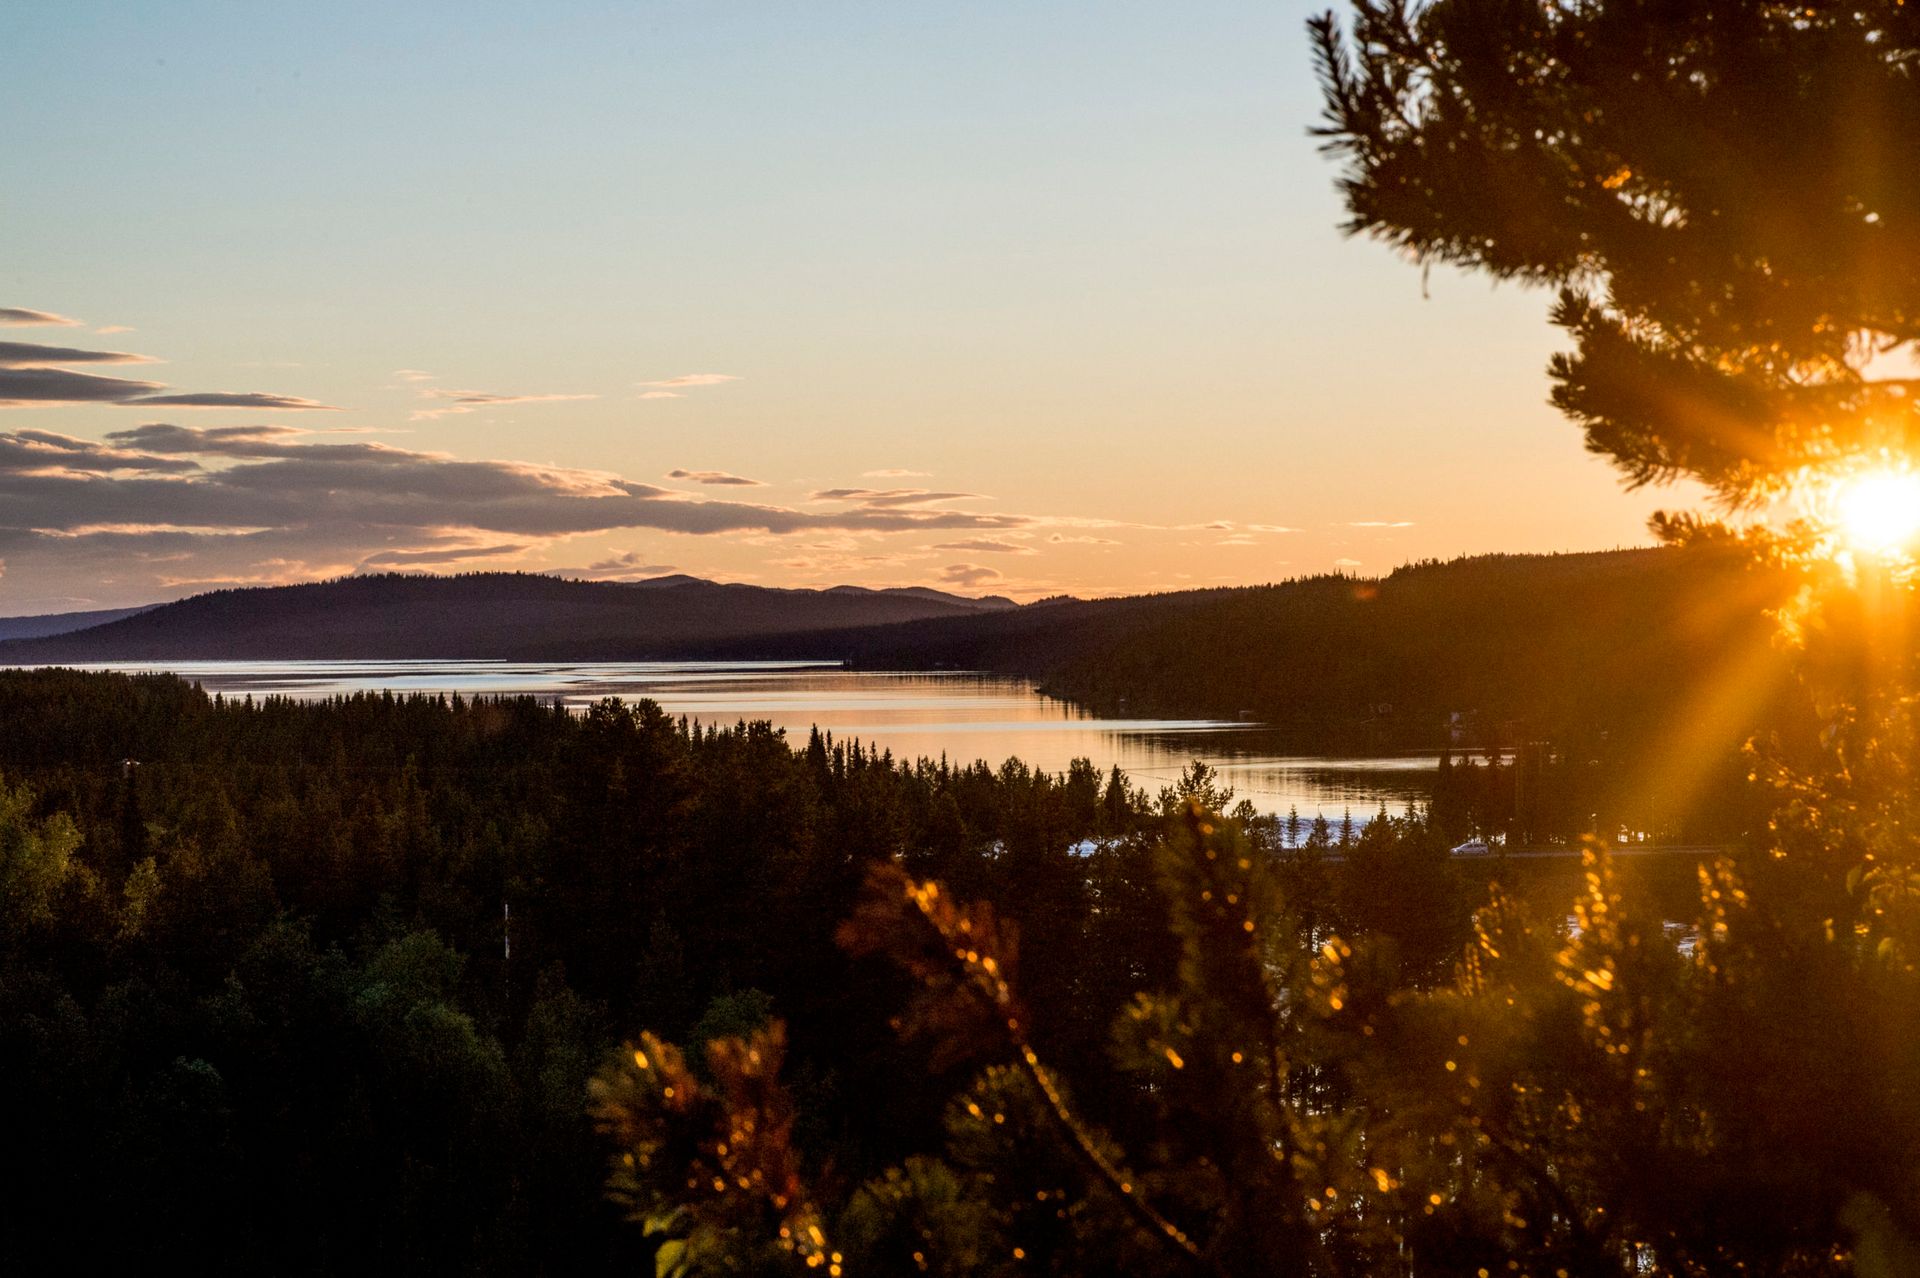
<point x="960" y="715"/>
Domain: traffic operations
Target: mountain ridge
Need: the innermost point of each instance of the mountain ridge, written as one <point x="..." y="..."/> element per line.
<point x="477" y="616"/>
<point x="45" y="624"/>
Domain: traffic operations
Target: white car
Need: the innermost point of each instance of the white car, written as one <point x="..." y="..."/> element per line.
<point x="1473" y="847"/>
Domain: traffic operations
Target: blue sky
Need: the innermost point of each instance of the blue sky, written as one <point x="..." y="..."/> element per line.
<point x="1075" y="266"/>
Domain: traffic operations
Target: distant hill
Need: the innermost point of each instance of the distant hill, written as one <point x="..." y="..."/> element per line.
<point x="60" y="623"/>
<point x="480" y="615"/>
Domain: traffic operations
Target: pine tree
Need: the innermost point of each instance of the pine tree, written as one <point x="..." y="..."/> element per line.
<point x="1726" y="196"/>
<point x="1723" y="191"/>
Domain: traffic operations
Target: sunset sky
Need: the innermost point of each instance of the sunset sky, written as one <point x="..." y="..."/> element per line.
<point x="1007" y="298"/>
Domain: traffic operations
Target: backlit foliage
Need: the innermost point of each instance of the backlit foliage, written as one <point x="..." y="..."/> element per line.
<point x="720" y="1147"/>
<point x="1611" y="1093"/>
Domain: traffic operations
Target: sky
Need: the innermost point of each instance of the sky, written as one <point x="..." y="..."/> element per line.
<point x="1003" y="298"/>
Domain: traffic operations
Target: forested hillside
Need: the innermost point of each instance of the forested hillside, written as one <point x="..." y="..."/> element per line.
<point x="1566" y="647"/>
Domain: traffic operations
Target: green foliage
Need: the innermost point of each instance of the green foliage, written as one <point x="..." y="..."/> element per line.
<point x="37" y="867"/>
<point x="1610" y="1092"/>
<point x="1399" y="886"/>
<point x="925" y="1217"/>
<point x="1243" y="1163"/>
<point x="707" y="1165"/>
<point x="738" y="1015"/>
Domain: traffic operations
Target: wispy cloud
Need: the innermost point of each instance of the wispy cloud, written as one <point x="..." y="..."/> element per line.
<point x="328" y="480"/>
<point x="716" y="477"/>
<point x="987" y="545"/>
<point x="1061" y="539"/>
<point x="22" y="316"/>
<point x="687" y="381"/>
<point x="165" y="506"/>
<point x="889" y="497"/>
<point x="34" y="375"/>
<point x="1229" y="526"/>
<point x="968" y="574"/>
<point x="32" y="355"/>
<point x="468" y="401"/>
<point x="25" y="387"/>
<point x="451" y="555"/>
<point x="895" y="473"/>
<point x="108" y="329"/>
<point x="218" y="441"/>
<point x="627" y="564"/>
<point x="233" y="399"/>
<point x="1379" y="523"/>
<point x="43" y="452"/>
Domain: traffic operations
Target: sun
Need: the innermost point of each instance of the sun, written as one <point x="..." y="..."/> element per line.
<point x="1878" y="511"/>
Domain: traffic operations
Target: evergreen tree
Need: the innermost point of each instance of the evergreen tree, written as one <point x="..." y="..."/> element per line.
<point x="1723" y="191"/>
<point x="1726" y="196"/>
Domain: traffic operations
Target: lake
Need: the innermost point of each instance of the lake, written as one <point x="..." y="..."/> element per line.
<point x="963" y="716"/>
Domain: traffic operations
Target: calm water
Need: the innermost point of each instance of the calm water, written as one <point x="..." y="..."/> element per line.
<point x="962" y="716"/>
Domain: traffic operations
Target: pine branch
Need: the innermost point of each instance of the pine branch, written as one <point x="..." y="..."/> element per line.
<point x="951" y="949"/>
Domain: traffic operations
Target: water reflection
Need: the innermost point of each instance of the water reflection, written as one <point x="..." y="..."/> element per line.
<point x="961" y="716"/>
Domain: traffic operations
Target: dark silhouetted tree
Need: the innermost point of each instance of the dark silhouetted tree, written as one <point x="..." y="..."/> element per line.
<point x="1724" y="192"/>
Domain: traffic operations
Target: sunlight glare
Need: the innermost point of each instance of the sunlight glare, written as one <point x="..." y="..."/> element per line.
<point x="1879" y="511"/>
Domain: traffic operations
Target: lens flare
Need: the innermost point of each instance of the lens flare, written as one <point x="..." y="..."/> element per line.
<point x="1878" y="511"/>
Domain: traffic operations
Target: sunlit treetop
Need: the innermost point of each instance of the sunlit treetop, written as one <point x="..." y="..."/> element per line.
<point x="1727" y="194"/>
